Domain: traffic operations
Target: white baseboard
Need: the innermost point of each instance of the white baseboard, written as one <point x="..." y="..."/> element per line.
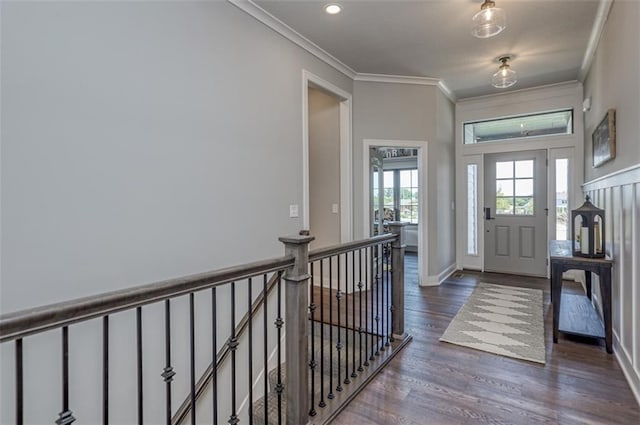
<point x="633" y="377"/>
<point x="435" y="280"/>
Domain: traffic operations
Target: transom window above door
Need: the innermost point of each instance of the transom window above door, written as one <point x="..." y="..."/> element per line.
<point x="514" y="187"/>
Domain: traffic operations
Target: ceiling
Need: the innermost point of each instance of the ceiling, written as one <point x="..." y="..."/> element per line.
<point x="432" y="38"/>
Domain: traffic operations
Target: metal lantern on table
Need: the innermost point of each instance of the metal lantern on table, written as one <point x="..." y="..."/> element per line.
<point x="587" y="230"/>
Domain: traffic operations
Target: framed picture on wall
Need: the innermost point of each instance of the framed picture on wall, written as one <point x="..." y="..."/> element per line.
<point x="604" y="139"/>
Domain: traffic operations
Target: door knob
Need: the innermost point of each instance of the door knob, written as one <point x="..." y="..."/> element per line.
<point x="487" y="214"/>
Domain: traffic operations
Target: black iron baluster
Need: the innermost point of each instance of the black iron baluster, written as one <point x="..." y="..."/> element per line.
<point x="353" y="314"/>
<point x="339" y="342"/>
<point x="331" y="260"/>
<point x="360" y="285"/>
<point x="214" y="354"/>
<point x="233" y="344"/>
<point x="312" y="361"/>
<point x="139" y="363"/>
<point x="346" y="319"/>
<point x="388" y="291"/>
<point x="378" y="286"/>
<point x="65" y="417"/>
<point x="265" y="353"/>
<point x="322" y="402"/>
<point x="366" y="305"/>
<point x="19" y="384"/>
<point x="192" y="359"/>
<point x="279" y="322"/>
<point x="250" y="352"/>
<point x="167" y="372"/>
<point x="105" y="370"/>
<point x="382" y="294"/>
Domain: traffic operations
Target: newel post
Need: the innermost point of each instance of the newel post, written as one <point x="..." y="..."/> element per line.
<point x="296" y="321"/>
<point x="397" y="279"/>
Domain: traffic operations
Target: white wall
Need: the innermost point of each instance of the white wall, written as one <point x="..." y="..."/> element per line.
<point x="397" y="111"/>
<point x="443" y="156"/>
<point x="613" y="82"/>
<point x="119" y="120"/>
<point x="324" y="168"/>
<point x="140" y="141"/>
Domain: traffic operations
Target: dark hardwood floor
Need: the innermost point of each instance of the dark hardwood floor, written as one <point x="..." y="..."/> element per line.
<point x="433" y="382"/>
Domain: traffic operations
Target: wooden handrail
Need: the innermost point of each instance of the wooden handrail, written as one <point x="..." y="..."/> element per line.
<point x="30" y="321"/>
<point x="321" y="253"/>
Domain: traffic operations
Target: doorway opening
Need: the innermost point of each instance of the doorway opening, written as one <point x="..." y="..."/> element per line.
<point x="326" y="116"/>
<point x="395" y="189"/>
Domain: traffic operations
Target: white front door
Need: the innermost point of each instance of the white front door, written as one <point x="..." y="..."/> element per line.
<point x="516" y="213"/>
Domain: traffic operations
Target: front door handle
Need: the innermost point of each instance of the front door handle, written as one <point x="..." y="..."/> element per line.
<point x="487" y="214"/>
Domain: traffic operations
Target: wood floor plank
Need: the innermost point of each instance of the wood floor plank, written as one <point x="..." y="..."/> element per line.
<point x="433" y="382"/>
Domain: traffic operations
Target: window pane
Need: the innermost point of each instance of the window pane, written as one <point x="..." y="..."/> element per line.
<point x="562" y="198"/>
<point x="472" y="209"/>
<point x="414" y="214"/>
<point x="414" y="178"/>
<point x="405" y="196"/>
<point x="375" y="180"/>
<point x="524" y="187"/>
<point x="504" y="170"/>
<point x="504" y="206"/>
<point x="405" y="178"/>
<point x="504" y="187"/>
<point x="524" y="168"/>
<point x="388" y="196"/>
<point x="540" y="124"/>
<point x="524" y="206"/>
<point x="388" y="179"/>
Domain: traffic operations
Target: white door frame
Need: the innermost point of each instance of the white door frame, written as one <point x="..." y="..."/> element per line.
<point x="423" y="228"/>
<point x="346" y="179"/>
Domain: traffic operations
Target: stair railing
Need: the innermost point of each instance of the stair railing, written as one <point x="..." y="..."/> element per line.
<point x="365" y="291"/>
<point x="104" y="312"/>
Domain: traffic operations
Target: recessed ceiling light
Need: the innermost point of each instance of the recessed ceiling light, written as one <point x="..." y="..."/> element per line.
<point x="333" y="8"/>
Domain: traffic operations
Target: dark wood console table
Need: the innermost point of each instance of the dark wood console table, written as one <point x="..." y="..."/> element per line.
<point x="561" y="260"/>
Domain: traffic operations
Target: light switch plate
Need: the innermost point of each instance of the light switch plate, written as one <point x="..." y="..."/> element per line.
<point x="293" y="210"/>
<point x="334" y="208"/>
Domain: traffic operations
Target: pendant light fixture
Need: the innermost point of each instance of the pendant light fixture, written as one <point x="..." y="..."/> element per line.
<point x="505" y="77"/>
<point x="489" y="21"/>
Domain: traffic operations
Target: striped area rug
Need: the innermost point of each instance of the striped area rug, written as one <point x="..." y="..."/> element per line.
<point x="500" y="319"/>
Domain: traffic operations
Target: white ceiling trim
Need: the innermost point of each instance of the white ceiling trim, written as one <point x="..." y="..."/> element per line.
<point x="402" y="79"/>
<point x="405" y="79"/>
<point x="596" y="32"/>
<point x="289" y="33"/>
<point x="447" y="91"/>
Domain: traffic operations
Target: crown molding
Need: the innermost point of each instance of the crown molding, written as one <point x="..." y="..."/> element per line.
<point x="405" y="79"/>
<point x="292" y="35"/>
<point x="399" y="79"/>
<point x="483" y="97"/>
<point x="447" y="91"/>
<point x="596" y="32"/>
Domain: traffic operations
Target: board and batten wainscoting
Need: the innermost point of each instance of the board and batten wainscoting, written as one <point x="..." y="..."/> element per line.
<point x="619" y="195"/>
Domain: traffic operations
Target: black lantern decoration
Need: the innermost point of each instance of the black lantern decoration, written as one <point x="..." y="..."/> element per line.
<point x="587" y="233"/>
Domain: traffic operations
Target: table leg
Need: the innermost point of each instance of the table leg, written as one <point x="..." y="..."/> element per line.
<point x="605" y="296"/>
<point x="556" y="290"/>
<point x="587" y="283"/>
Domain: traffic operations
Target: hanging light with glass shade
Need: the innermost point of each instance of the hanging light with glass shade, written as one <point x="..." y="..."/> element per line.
<point x="505" y="77"/>
<point x="490" y="21"/>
